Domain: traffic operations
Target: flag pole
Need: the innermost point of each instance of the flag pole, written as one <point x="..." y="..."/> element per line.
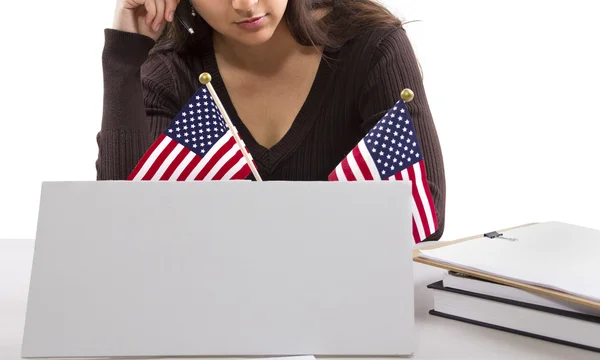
<point x="205" y="79"/>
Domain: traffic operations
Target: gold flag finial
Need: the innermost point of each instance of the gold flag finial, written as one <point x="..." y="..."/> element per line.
<point x="205" y="78"/>
<point x="407" y="95"/>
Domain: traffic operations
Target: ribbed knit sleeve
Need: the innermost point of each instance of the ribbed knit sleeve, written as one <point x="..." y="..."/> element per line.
<point x="394" y="67"/>
<point x="135" y="107"/>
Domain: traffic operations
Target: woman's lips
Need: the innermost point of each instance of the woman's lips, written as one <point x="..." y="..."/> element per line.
<point x="252" y="23"/>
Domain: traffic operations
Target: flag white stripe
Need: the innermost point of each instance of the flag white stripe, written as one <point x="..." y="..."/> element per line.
<point x="423" y="196"/>
<point x="168" y="161"/>
<point x="184" y="163"/>
<point x="212" y="152"/>
<point x="354" y="168"/>
<point x="222" y="162"/>
<point x="416" y="215"/>
<point x="152" y="158"/>
<point x="237" y="167"/>
<point x="362" y="147"/>
<point x="340" y="173"/>
<point x="417" y="219"/>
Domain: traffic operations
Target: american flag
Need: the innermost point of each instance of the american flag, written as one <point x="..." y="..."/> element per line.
<point x="390" y="151"/>
<point x="197" y="145"/>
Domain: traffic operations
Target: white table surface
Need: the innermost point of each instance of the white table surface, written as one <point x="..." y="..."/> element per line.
<point x="438" y="338"/>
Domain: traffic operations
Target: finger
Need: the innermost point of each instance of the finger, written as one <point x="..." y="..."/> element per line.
<point x="160" y="14"/>
<point x="150" y="11"/>
<point x="170" y="7"/>
<point x="132" y="4"/>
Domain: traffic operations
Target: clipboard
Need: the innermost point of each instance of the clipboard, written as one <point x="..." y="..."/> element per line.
<point x="533" y="288"/>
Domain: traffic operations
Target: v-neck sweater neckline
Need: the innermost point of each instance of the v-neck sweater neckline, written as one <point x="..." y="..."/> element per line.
<point x="304" y="120"/>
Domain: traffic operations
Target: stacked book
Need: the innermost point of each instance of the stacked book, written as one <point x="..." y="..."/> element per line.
<point x="485" y="303"/>
<point x="539" y="281"/>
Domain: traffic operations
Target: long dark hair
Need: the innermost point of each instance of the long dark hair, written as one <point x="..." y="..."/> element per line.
<point x="344" y="20"/>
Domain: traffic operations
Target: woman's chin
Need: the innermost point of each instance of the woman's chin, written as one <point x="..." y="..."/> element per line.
<point x="254" y="39"/>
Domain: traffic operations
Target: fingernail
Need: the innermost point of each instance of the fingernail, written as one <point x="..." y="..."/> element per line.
<point x="156" y="26"/>
<point x="170" y="16"/>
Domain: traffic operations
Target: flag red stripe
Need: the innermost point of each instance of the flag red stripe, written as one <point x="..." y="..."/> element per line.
<point x="144" y="158"/>
<point x="362" y="164"/>
<point x="215" y="158"/>
<point x="242" y="173"/>
<point x="159" y="160"/>
<point x="189" y="168"/>
<point x="333" y="176"/>
<point x="228" y="165"/>
<point x="175" y="164"/>
<point x="415" y="231"/>
<point x="428" y="192"/>
<point x="418" y="200"/>
<point x="347" y="171"/>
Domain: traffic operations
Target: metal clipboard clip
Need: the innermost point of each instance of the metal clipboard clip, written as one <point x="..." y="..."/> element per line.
<point x="497" y="235"/>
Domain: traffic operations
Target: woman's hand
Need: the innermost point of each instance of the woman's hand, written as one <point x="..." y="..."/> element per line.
<point x="146" y="17"/>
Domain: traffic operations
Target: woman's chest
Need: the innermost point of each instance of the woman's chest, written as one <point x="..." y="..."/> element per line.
<point x="269" y="113"/>
<point x="269" y="106"/>
<point x="311" y="148"/>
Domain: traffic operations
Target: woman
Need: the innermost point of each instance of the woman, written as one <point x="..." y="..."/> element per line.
<point x="302" y="80"/>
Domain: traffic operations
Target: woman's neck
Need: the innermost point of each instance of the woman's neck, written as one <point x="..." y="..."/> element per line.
<point x="267" y="58"/>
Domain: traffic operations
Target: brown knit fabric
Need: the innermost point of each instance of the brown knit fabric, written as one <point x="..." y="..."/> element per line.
<point x="355" y="86"/>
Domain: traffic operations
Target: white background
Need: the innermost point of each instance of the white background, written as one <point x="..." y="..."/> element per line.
<point x="513" y="87"/>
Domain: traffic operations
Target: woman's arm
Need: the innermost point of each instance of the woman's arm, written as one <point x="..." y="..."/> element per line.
<point x="394" y="67"/>
<point x="136" y="108"/>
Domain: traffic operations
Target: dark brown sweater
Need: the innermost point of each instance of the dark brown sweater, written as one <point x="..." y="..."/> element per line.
<point x="353" y="89"/>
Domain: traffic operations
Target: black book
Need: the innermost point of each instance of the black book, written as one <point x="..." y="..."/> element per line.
<point x="569" y="328"/>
